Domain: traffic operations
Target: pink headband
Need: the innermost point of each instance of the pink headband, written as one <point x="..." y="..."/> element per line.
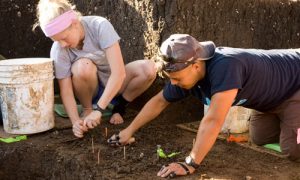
<point x="59" y="23"/>
<point x="298" y="136"/>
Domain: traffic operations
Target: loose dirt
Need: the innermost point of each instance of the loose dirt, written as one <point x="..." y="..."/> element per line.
<point x="57" y="154"/>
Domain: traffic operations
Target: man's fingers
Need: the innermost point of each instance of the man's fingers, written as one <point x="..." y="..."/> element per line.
<point x="131" y="140"/>
<point x="163" y="170"/>
<point x="174" y="169"/>
<point x="166" y="173"/>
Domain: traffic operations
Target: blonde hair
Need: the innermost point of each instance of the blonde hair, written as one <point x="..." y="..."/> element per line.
<point x="47" y="10"/>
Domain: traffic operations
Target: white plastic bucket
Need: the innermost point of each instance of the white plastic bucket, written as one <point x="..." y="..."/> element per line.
<point x="236" y="121"/>
<point x="27" y="95"/>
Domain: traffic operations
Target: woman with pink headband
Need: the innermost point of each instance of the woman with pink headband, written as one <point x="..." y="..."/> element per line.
<point x="89" y="65"/>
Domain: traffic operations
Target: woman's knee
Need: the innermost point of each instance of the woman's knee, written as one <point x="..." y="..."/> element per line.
<point x="83" y="68"/>
<point x="149" y="71"/>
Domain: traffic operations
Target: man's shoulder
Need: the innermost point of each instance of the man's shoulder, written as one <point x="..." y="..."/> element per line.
<point x="224" y="56"/>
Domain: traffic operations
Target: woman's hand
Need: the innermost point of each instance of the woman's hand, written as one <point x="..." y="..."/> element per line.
<point x="92" y="120"/>
<point x="79" y="129"/>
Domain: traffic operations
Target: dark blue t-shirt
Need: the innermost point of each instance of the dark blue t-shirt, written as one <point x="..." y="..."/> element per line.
<point x="264" y="78"/>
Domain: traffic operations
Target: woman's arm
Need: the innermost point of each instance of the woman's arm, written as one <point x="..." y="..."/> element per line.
<point x="67" y="96"/>
<point x="116" y="79"/>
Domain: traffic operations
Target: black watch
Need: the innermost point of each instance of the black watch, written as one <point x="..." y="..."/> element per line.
<point x="98" y="108"/>
<point x="190" y="161"/>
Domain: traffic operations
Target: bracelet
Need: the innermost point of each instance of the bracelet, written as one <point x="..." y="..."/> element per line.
<point x="98" y="108"/>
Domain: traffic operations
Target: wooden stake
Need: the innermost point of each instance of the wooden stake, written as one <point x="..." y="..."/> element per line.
<point x="93" y="145"/>
<point x="98" y="156"/>
<point x="124" y="149"/>
<point x="106" y="132"/>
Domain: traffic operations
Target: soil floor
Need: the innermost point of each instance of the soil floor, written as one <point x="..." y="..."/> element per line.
<point x="57" y="154"/>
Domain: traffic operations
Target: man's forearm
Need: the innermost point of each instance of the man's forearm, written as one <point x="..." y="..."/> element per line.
<point x="206" y="136"/>
<point x="150" y="111"/>
<point x="212" y="122"/>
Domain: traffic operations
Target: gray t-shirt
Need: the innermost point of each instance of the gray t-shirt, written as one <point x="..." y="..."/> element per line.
<point x="99" y="35"/>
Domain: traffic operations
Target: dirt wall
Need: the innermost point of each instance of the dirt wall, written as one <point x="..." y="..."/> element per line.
<point x="251" y="24"/>
<point x="143" y="25"/>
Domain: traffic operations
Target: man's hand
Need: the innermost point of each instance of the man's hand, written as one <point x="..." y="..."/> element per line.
<point x="123" y="138"/>
<point x="79" y="129"/>
<point x="92" y="120"/>
<point x="175" y="169"/>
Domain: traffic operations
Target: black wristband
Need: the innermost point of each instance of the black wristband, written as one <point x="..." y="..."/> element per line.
<point x="190" y="161"/>
<point x="98" y="108"/>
